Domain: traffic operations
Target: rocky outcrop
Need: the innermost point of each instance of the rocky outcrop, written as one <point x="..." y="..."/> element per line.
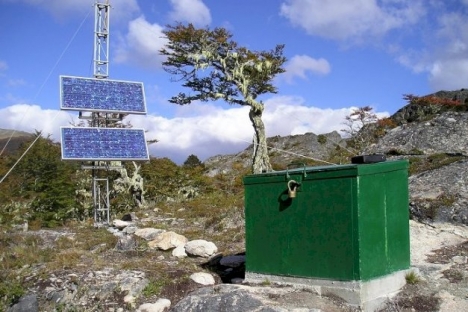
<point x="305" y="148"/>
<point x="445" y="133"/>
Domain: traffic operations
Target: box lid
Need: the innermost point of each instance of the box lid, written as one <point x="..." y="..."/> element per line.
<point x="327" y="172"/>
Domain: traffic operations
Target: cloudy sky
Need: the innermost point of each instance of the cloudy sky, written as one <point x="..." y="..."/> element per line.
<point x="341" y="54"/>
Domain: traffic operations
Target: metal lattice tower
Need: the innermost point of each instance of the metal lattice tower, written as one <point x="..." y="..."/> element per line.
<point x="101" y="39"/>
<point x="101" y="71"/>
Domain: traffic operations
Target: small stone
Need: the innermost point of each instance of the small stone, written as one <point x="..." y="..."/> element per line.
<point x="121" y="224"/>
<point x="179" y="252"/>
<point x="159" y="306"/>
<point x="129" y="299"/>
<point x="203" y="278"/>
<point x="201" y="248"/>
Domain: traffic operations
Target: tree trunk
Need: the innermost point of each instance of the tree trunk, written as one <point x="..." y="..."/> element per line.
<point x="261" y="160"/>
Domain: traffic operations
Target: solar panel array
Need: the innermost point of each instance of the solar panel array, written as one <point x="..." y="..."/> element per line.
<point x="104" y="144"/>
<point x="101" y="95"/>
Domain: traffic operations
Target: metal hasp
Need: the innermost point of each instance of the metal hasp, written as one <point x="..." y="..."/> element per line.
<point x="101" y="39"/>
<point x="347" y="223"/>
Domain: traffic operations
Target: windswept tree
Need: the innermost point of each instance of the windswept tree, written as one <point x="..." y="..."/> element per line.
<point x="215" y="67"/>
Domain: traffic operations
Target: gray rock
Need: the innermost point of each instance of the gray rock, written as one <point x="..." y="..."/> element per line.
<point x="216" y="299"/>
<point x="440" y="135"/>
<point x="131" y="229"/>
<point x="200" y="248"/>
<point x="203" y="278"/>
<point x="27" y="303"/>
<point x="159" y="306"/>
<point x="428" y="190"/>
<point x="148" y="233"/>
<point x="168" y="240"/>
<point x="119" y="224"/>
<point x="179" y="252"/>
<point x="125" y="243"/>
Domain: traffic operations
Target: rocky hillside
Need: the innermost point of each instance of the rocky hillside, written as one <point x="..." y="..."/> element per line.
<point x="308" y="149"/>
<point x="14" y="139"/>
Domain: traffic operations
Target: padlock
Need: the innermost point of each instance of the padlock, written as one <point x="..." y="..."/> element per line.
<point x="292" y="186"/>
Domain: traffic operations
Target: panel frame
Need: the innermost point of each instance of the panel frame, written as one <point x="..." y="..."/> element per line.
<point x="101" y="158"/>
<point x="92" y="108"/>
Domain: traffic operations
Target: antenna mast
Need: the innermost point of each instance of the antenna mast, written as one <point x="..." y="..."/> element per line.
<point x="101" y="39"/>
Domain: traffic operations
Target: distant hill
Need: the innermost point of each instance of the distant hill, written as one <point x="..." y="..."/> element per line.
<point x="17" y="138"/>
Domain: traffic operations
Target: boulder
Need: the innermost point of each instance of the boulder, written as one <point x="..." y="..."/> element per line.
<point x="168" y="240"/>
<point x="200" y="248"/>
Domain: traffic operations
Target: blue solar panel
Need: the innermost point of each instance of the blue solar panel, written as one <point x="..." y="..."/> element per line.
<point x="103" y="144"/>
<point x="101" y="95"/>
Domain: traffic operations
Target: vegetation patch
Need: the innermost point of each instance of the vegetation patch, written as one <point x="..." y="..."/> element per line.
<point x="412" y="278"/>
<point x="435" y="161"/>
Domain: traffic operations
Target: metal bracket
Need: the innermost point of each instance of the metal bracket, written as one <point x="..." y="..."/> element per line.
<point x="304" y="173"/>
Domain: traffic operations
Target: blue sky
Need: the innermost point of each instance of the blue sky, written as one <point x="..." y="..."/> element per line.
<point x="341" y="54"/>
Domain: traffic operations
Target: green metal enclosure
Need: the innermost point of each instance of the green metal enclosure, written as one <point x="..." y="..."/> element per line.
<point x="347" y="222"/>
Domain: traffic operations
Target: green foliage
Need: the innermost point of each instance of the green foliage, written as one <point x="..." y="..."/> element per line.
<point x="164" y="179"/>
<point x="236" y="73"/>
<point x="412" y="278"/>
<point x="214" y="67"/>
<point x="420" y="164"/>
<point x="43" y="183"/>
<point x="153" y="288"/>
<point x="322" y="139"/>
<point x="10" y="292"/>
<point x="192" y="161"/>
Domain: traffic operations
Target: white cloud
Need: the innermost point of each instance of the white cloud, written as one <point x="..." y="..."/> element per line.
<point x="449" y="74"/>
<point x="121" y="10"/>
<point x="300" y="65"/>
<point x="445" y="57"/>
<point x="352" y="19"/>
<point x="25" y="117"/>
<point x="201" y="129"/>
<point x="141" y="44"/>
<point x="191" y="11"/>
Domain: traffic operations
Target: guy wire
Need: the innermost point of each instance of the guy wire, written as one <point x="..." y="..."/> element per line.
<point x="37" y="94"/>
<point x="46" y="80"/>
<point x="295" y="154"/>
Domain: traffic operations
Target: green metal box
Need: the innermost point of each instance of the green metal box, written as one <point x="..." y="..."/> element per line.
<point x="347" y="222"/>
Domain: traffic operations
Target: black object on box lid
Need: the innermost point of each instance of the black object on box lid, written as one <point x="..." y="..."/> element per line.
<point x="368" y="159"/>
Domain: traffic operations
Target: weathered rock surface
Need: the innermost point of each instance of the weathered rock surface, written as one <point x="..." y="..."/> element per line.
<point x="441" y="194"/>
<point x="446" y="133"/>
<point x="27" y="303"/>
